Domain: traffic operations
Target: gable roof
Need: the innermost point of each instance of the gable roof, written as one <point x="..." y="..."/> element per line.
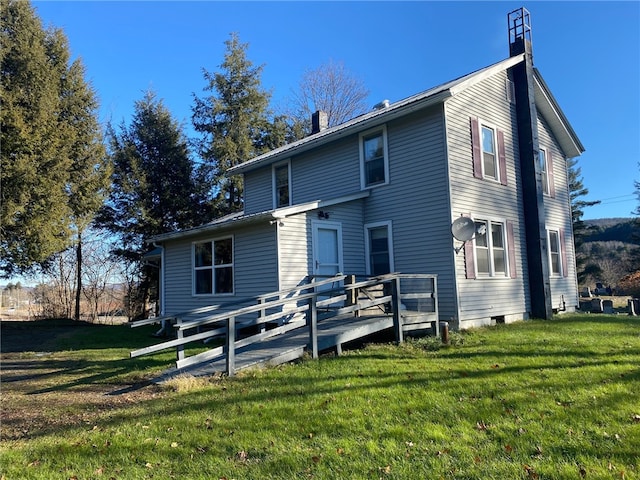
<point x="544" y="101"/>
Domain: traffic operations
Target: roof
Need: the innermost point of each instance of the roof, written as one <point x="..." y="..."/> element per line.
<point x="544" y="102"/>
<point x="240" y="219"/>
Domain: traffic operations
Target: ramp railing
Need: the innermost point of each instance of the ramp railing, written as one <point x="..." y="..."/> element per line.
<point x="304" y="306"/>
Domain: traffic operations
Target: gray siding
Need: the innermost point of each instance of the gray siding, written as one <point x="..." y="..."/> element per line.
<point x="416" y="200"/>
<point x="296" y="242"/>
<point x="564" y="289"/>
<point x="258" y="191"/>
<point x="483" y="298"/>
<point x="255" y="268"/>
<point x="328" y="172"/>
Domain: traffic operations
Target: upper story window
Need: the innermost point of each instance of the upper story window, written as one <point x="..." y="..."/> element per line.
<point x="282" y="185"/>
<point x="213" y="267"/>
<point x="489" y="157"/>
<point x="379" y="248"/>
<point x="542" y="160"/>
<point x="488" y="151"/>
<point x="374" y="159"/>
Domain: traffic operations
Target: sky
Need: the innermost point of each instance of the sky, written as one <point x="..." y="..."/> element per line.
<point x="588" y="54"/>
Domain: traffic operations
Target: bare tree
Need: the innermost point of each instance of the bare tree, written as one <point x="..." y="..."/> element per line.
<point x="332" y="89"/>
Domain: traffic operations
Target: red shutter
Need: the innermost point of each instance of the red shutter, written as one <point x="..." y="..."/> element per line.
<point x="469" y="260"/>
<point x="502" y="158"/>
<point x="563" y="254"/>
<point x="475" y="148"/>
<point x="511" y="249"/>
<point x="552" y="183"/>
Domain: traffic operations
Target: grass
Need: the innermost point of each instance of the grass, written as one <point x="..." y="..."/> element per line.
<point x="531" y="400"/>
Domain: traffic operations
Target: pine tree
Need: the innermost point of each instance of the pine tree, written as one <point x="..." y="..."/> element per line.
<point x="44" y="145"/>
<point x="234" y="124"/>
<point x="155" y="185"/>
<point x="577" y="190"/>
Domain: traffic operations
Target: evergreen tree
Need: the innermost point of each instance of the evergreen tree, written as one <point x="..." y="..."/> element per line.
<point x="233" y="121"/>
<point x="155" y="185"/>
<point x="577" y="190"/>
<point x="44" y="144"/>
<point x="89" y="173"/>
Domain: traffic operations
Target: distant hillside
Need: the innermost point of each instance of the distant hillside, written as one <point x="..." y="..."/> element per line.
<point x="613" y="229"/>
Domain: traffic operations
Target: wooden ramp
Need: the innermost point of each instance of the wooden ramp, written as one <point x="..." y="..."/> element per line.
<point x="300" y="320"/>
<point x="290" y="346"/>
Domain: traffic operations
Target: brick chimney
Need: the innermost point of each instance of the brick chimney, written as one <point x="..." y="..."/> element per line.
<point x="319" y="122"/>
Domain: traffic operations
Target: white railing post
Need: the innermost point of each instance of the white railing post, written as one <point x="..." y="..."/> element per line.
<point x="231" y="346"/>
<point x="180" y="335"/>
<point x="312" y="320"/>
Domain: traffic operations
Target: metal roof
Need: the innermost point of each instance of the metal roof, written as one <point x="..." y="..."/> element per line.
<point x="544" y="102"/>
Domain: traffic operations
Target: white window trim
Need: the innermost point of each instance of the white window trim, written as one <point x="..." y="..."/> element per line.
<point x="494" y="129"/>
<point x="546" y="187"/>
<point x="274" y="185"/>
<point x="367" y="248"/>
<point x="559" y="273"/>
<point x="363" y="179"/>
<point x="232" y="265"/>
<point x="505" y="240"/>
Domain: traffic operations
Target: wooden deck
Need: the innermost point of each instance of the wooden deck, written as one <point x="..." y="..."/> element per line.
<point x="290" y="346"/>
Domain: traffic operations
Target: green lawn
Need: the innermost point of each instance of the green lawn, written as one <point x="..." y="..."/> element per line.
<point x="532" y="400"/>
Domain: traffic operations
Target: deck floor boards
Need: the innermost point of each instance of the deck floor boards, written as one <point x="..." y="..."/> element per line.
<point x="290" y="345"/>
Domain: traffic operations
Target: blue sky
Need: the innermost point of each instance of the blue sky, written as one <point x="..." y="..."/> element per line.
<point x="588" y="53"/>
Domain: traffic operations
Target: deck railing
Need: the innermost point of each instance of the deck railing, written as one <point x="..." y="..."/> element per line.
<point x="410" y="299"/>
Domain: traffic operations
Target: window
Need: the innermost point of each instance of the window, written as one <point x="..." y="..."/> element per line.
<point x="379" y="249"/>
<point x="542" y="160"/>
<point x="374" y="162"/>
<point x="488" y="152"/>
<point x="282" y="185"/>
<point x="555" y="254"/>
<point x="490" y="248"/>
<point x="489" y="157"/>
<point x="213" y="267"/>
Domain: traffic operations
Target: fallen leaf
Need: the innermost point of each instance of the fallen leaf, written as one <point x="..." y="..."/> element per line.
<point x="35" y="463"/>
<point x="481" y="426"/>
<point x="99" y="471"/>
<point x="242" y="455"/>
<point x="583" y="472"/>
<point x="148" y="465"/>
<point x="508" y="449"/>
<point x="340" y="451"/>
<point x="315" y="459"/>
<point x="174" y="444"/>
<point x="636" y="418"/>
<point x="495" y="365"/>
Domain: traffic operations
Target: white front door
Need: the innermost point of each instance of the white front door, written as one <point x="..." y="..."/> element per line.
<point x="327" y="248"/>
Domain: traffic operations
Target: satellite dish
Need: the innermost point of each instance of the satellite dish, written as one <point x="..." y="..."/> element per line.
<point x="463" y="229"/>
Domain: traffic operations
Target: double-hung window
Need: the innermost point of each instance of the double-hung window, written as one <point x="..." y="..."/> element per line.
<point x="544" y="169"/>
<point x="374" y="159"/>
<point x="489" y="155"/>
<point x="555" y="253"/>
<point x="282" y="185"/>
<point x="213" y="267"/>
<point x="488" y="151"/>
<point x="379" y="248"/>
<point x="490" y="248"/>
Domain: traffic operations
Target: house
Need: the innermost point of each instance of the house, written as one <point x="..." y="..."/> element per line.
<point x="380" y="193"/>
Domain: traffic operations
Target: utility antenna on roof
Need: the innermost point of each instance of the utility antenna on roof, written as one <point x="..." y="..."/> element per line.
<point x="519" y="31"/>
